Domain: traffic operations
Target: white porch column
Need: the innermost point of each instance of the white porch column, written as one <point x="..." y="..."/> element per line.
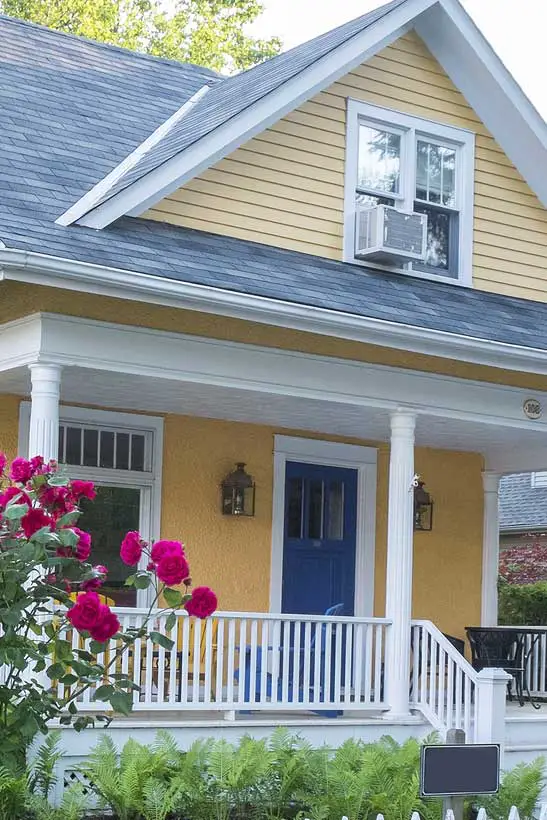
<point x="44" y="412"/>
<point x="490" y="549"/>
<point x="400" y="536"/>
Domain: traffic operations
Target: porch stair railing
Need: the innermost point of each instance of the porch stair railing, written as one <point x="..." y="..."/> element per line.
<point x="444" y="687"/>
<point x="239" y="661"/>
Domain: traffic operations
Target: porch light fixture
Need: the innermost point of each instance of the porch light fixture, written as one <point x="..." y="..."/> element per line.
<point x="238" y="492"/>
<point x="423" y="508"/>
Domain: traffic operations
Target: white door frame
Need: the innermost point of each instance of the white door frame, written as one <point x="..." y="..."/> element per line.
<point x="329" y="453"/>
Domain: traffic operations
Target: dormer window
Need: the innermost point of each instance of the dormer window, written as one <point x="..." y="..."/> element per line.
<point x="417" y="167"/>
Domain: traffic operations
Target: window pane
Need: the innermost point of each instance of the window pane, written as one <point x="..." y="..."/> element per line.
<point x="107" y="449"/>
<point x="379" y="159"/>
<point x="61" y="443"/>
<point x="73" y="445"/>
<point x="91" y="445"/>
<point x="335" y="511"/>
<point x="114" y="512"/>
<point x="315" y="509"/>
<point x="294" y="508"/>
<point x="438" y="236"/>
<point x="137" y="453"/>
<point x="122" y="451"/>
<point x="435" y="173"/>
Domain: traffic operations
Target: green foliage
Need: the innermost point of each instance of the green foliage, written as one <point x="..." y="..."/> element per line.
<point x="522" y="603"/>
<point x="207" y="32"/>
<point x="13" y="795"/>
<point x="520" y="787"/>
<point x="42" y="773"/>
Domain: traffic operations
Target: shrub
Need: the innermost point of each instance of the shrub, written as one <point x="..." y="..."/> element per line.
<point x="44" y="558"/>
<point x="522" y="603"/>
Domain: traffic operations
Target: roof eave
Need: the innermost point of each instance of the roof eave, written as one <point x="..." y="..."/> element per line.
<point x="51" y="271"/>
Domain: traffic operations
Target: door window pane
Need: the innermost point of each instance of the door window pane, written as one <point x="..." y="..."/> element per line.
<point x="137" y="453"/>
<point x="73" y="454"/>
<point x="115" y="511"/>
<point x="335" y="511"/>
<point x="122" y="451"/>
<point x="379" y="165"/>
<point x="435" y="173"/>
<point x="91" y="447"/>
<point x="315" y="509"/>
<point x="294" y="508"/>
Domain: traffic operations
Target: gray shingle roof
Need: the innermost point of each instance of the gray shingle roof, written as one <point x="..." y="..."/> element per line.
<point x="234" y="95"/>
<point x="522" y="507"/>
<point x="70" y="109"/>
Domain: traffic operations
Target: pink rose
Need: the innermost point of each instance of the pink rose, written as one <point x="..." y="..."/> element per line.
<point x="84" y="614"/>
<point x="172" y="569"/>
<point x="21" y="470"/>
<point x="3" y="462"/>
<point x="162" y="548"/>
<point x="15" y="495"/>
<point x="99" y="574"/>
<point x="131" y="548"/>
<point x="37" y="465"/>
<point x="57" y="499"/>
<point x="106" y="626"/>
<point x="82" y="549"/>
<point x="34" y="520"/>
<point x="82" y="489"/>
<point x="202" y="603"/>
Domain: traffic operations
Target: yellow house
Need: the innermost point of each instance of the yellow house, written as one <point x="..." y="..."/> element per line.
<point x="330" y="269"/>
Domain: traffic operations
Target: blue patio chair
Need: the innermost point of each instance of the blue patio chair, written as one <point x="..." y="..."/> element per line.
<point x="295" y="690"/>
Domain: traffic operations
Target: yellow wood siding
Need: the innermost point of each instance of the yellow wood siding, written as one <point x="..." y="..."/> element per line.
<point x="286" y="186"/>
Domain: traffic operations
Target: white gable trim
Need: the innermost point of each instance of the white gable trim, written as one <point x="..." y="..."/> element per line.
<point x="489" y="88"/>
<point x="90" y="200"/>
<point x="169" y="176"/>
<point x="454" y="40"/>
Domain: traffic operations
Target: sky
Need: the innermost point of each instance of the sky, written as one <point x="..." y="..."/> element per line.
<point x="519" y="39"/>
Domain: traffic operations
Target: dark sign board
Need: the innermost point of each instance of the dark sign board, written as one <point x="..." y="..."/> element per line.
<point x="453" y="770"/>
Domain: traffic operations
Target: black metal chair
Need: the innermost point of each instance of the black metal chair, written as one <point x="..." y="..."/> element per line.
<point x="499" y="649"/>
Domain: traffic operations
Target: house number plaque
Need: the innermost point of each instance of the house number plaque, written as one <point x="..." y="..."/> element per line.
<point x="532" y="408"/>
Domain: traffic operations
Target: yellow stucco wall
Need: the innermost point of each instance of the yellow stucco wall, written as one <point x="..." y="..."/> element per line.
<point x="18" y="300"/>
<point x="286" y="186"/>
<point x="9" y="424"/>
<point x="233" y="555"/>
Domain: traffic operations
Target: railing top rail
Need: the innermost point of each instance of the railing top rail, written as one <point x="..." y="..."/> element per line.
<point x="450" y="650"/>
<point x="261" y="616"/>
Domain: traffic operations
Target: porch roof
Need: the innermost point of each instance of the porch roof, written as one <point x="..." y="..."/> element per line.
<point x="233" y="265"/>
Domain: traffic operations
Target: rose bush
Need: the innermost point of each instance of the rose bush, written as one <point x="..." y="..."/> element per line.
<point x="48" y="587"/>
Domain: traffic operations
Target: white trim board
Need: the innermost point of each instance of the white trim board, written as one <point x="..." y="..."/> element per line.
<point x="456" y="43"/>
<point x="316" y="451"/>
<point x="86" y="343"/>
<point x="50" y="271"/>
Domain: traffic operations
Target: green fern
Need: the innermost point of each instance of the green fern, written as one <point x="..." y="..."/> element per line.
<point x="520" y="787"/>
<point x="13" y="795"/>
<point x="42" y="770"/>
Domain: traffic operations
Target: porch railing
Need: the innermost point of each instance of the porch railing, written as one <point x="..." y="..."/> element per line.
<point x="443" y="685"/>
<point x="535" y="673"/>
<point x="238" y="661"/>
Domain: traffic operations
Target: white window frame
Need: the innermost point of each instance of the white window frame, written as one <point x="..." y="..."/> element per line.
<point x="148" y="482"/>
<point x="411" y="128"/>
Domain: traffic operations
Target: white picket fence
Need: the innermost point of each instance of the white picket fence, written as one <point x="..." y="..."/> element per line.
<point x="481" y="815"/>
<point x="238" y="661"/>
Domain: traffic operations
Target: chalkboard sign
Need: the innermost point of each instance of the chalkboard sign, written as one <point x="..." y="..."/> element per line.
<point x="454" y="770"/>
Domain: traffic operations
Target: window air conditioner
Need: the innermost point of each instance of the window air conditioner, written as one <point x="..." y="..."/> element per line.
<point x="388" y="236"/>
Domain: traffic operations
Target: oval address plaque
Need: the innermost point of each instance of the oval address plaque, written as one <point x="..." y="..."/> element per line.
<point x="532" y="408"/>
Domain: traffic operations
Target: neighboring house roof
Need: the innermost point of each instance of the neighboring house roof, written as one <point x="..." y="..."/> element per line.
<point x="523" y="508"/>
<point x="243" y="106"/>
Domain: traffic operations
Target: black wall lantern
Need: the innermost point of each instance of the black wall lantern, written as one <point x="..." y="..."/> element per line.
<point x="423" y="507"/>
<point x="238" y="492"/>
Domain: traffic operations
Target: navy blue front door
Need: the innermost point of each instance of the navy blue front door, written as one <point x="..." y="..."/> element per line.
<point x="319" y="542"/>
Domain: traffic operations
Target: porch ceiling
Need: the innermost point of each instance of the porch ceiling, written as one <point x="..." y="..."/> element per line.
<point x="506" y="448"/>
